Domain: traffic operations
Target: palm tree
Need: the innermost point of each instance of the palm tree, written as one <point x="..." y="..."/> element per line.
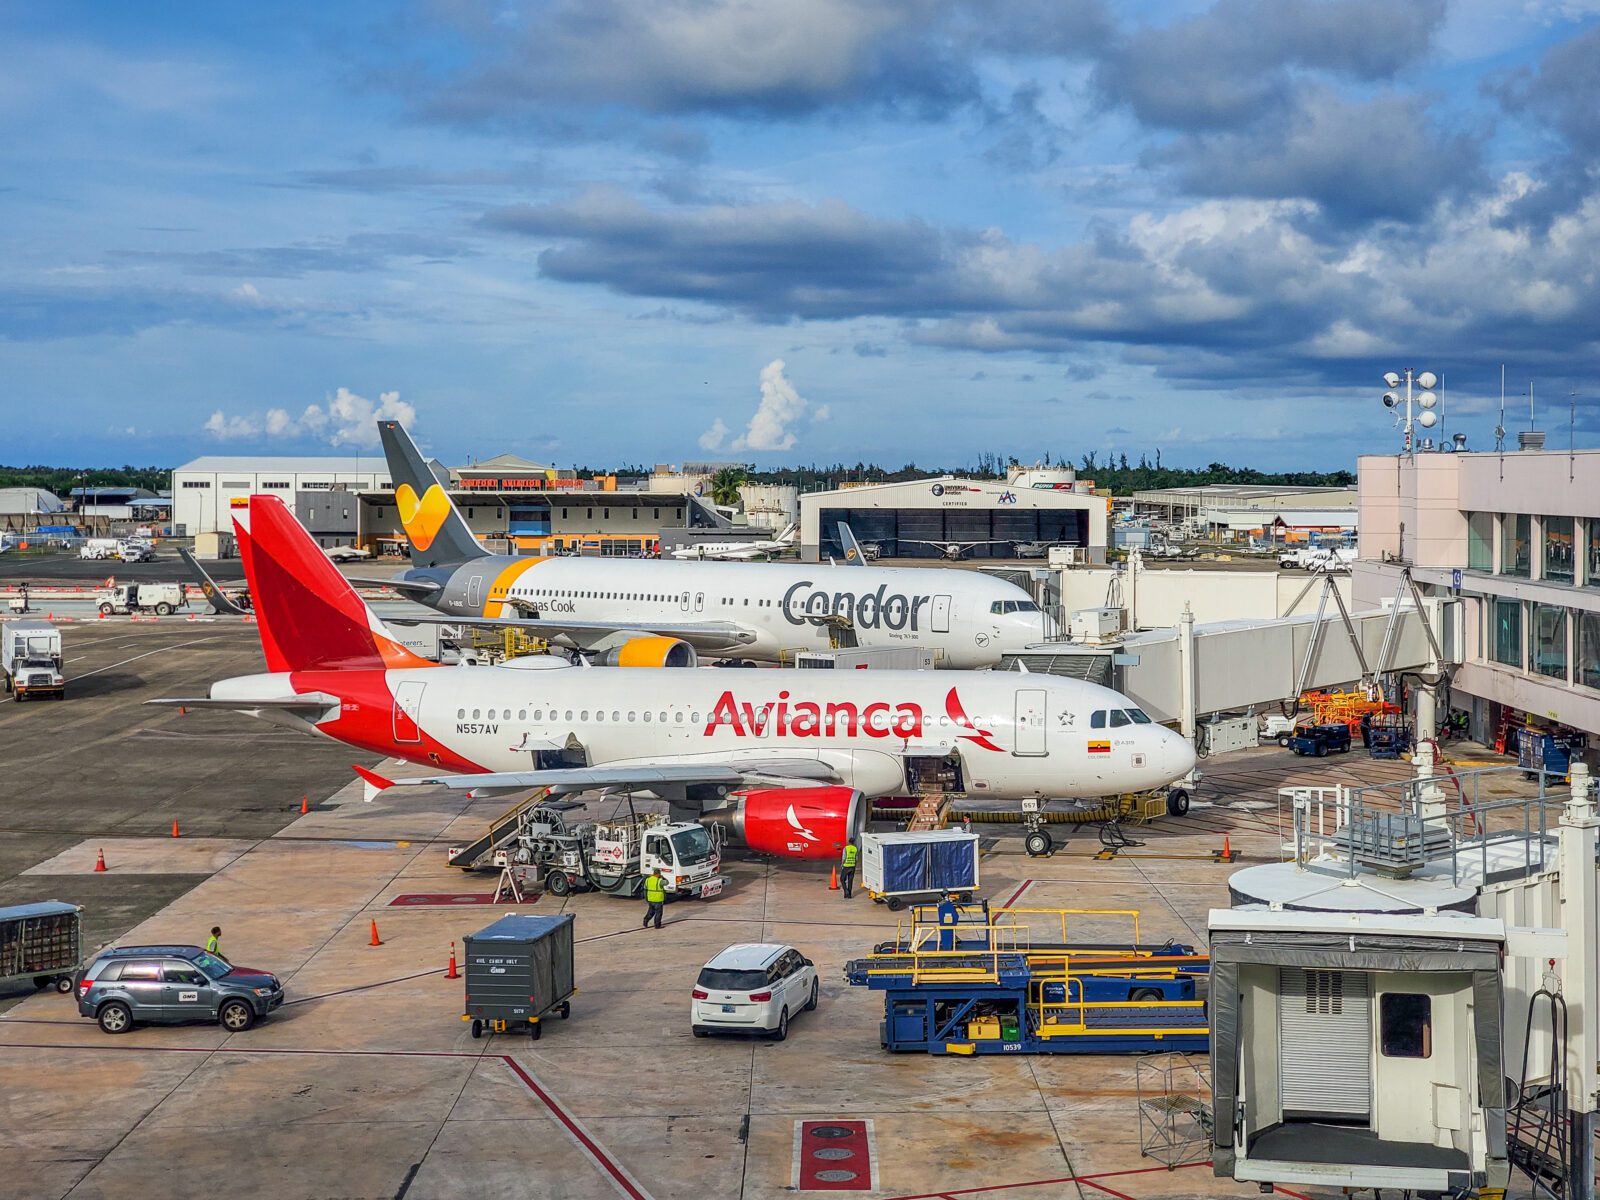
<point x="725" y="484"/>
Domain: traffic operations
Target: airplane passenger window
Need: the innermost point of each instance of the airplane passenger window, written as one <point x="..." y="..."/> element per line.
<point x="522" y="714"/>
<point x="569" y="714"/>
<point x="1120" y="718"/>
<point x="584" y="715"/>
<point x="461" y="714"/>
<point x="1098" y="721"/>
<point x="694" y="717"/>
<point x="538" y="714"/>
<point x="678" y="717"/>
<point x="647" y="718"/>
<point x="475" y="714"/>
<point x="599" y="714"/>
<point x="633" y="716"/>
<point x="1139" y="716"/>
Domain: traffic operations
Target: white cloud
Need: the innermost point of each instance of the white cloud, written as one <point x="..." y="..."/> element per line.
<point x="772" y="424"/>
<point x="348" y="419"/>
<point x="713" y="438"/>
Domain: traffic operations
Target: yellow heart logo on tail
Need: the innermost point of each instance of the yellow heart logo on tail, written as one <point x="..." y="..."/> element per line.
<point x="422" y="518"/>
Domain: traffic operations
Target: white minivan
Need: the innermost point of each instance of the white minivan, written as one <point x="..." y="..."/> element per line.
<point x="753" y="987"/>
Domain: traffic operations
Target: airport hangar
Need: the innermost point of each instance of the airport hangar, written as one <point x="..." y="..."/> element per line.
<point x="913" y="518"/>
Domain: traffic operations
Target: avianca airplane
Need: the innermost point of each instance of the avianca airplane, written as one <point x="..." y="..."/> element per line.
<point x="786" y="759"/>
<point x="637" y="613"/>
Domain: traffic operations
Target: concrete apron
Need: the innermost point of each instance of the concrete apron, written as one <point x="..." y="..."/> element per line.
<point x="369" y="1084"/>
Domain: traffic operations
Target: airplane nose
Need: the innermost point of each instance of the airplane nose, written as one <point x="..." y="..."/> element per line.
<point x="1177" y="752"/>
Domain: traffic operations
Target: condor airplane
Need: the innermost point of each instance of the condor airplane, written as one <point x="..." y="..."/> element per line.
<point x="786" y="759"/>
<point x="637" y="613"/>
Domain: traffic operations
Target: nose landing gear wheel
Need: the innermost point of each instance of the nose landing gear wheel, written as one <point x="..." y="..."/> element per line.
<point x="1177" y="802"/>
<point x="1038" y="844"/>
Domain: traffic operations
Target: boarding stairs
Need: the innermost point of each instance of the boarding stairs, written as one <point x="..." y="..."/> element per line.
<point x="502" y="830"/>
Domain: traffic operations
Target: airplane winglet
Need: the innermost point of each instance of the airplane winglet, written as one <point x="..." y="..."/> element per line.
<point x="371" y="782"/>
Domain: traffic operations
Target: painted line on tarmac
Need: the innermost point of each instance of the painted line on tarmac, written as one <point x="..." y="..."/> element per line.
<point x="1016" y="895"/>
<point x="625" y="1184"/>
<point x="135" y="658"/>
<point x="952" y="1193"/>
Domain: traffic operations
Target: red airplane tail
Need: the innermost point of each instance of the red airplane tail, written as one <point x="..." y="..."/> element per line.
<point x="310" y="617"/>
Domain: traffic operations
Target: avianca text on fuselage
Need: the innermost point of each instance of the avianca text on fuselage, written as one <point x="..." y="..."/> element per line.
<point x="787" y="718"/>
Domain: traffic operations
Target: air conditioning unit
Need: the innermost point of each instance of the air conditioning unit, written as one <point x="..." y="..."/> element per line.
<point x="1097" y="624"/>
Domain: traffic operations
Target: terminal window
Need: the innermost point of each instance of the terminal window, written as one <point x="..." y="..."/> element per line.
<point x="1588" y="649"/>
<point x="1548" y="653"/>
<point x="1505" y="638"/>
<point x="1480" y="541"/>
<point x="1405" y="1022"/>
<point x="1515" y="540"/>
<point x="1591" y="575"/>
<point x="1558" y="549"/>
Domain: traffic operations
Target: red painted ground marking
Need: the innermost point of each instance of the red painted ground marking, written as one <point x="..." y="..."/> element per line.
<point x="1100" y="1187"/>
<point x="1283" y="1191"/>
<point x="1026" y="884"/>
<point x="427" y="899"/>
<point x="834" y="1156"/>
<point x="625" y="1183"/>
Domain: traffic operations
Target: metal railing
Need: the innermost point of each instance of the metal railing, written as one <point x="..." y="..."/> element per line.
<point x="1445" y="817"/>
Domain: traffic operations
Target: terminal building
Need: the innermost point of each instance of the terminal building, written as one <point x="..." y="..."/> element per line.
<point x="1282" y="512"/>
<point x="948" y="517"/>
<point x="1517" y="536"/>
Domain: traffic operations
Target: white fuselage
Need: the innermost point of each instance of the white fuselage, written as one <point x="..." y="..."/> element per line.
<point x="1016" y="735"/>
<point x="969" y="619"/>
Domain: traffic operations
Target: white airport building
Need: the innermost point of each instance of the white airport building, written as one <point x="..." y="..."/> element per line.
<point x="1517" y="535"/>
<point x="202" y="489"/>
<point x="921" y="518"/>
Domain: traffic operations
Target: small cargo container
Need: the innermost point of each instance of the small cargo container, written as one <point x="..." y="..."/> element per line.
<point x="903" y="868"/>
<point x="41" y="944"/>
<point x="519" y="971"/>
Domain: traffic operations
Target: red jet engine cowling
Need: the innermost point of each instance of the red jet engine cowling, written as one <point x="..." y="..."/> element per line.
<point x="799" y="822"/>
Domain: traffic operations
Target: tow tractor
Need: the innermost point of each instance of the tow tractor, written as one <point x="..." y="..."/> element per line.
<point x="614" y="856"/>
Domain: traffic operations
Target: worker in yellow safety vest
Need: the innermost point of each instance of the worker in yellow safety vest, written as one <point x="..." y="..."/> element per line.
<point x="847" y="867"/>
<point x="655" y="899"/>
<point x="214" y="942"/>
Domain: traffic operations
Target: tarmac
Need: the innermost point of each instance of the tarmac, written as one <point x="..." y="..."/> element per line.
<point x="368" y="1084"/>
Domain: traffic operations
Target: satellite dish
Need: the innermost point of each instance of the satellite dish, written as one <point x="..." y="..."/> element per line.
<point x="1427" y="379"/>
<point x="1390" y="399"/>
<point x="1427" y="399"/>
<point x="1428" y="420"/>
<point x="1390" y="379"/>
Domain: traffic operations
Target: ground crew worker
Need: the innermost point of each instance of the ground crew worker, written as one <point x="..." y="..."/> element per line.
<point x="847" y="867"/>
<point x="215" y="940"/>
<point x="655" y="898"/>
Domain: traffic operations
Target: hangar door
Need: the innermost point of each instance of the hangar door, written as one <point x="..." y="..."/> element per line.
<point x="1325" y="1044"/>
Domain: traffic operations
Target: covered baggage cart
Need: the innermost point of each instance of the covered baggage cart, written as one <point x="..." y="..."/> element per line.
<point x="41" y="944"/>
<point x="519" y="971"/>
<point x="904" y="868"/>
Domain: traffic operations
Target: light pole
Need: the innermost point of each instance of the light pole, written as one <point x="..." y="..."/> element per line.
<point x="1409" y="418"/>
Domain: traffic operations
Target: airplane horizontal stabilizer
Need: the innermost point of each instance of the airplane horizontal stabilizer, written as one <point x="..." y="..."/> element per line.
<point x="422" y="587"/>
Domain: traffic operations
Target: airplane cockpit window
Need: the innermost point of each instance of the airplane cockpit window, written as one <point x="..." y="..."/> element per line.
<point x="1139" y="716"/>
<point x="998" y="607"/>
<point x="1025" y="606"/>
<point x="1120" y="718"/>
<point x="1098" y="720"/>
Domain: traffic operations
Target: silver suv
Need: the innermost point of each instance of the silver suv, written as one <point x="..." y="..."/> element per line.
<point x="167" y="985"/>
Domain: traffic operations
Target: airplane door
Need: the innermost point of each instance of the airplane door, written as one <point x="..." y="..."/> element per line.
<point x="408" y="712"/>
<point x="684" y="603"/>
<point x="474" y="591"/>
<point x="699" y="601"/>
<point x="941" y="614"/>
<point x="1030" y="723"/>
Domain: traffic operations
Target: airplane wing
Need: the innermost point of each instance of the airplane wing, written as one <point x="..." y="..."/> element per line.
<point x="703" y="635"/>
<point x="644" y="776"/>
<point x="417" y="587"/>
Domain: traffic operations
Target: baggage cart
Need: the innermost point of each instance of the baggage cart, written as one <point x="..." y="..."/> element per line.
<point x="41" y="944"/>
<point x="917" y="866"/>
<point x="519" y="971"/>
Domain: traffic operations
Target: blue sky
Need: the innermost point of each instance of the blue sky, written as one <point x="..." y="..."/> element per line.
<point x="892" y="230"/>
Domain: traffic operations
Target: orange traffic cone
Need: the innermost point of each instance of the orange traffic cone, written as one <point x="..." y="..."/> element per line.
<point x="305" y="805"/>
<point x="376" y="940"/>
<point x="833" y="884"/>
<point x="452" y="973"/>
<point x="1227" y="850"/>
<point x="99" y="860"/>
<point x="174" y="826"/>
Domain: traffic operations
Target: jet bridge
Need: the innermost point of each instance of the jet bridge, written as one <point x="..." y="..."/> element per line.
<point x="1184" y="672"/>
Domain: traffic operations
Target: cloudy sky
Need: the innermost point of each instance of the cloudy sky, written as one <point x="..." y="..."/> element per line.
<point x="792" y="230"/>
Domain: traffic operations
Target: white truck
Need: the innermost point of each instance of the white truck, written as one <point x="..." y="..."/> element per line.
<point x="159" y="598"/>
<point x="614" y="856"/>
<point x="30" y="657"/>
<point x="99" y="548"/>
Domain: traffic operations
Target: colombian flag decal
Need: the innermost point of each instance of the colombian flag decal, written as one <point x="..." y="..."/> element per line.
<point x="1099" y="747"/>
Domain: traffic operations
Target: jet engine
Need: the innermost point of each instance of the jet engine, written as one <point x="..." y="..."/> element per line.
<point x="797" y="822"/>
<point x="649" y="652"/>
